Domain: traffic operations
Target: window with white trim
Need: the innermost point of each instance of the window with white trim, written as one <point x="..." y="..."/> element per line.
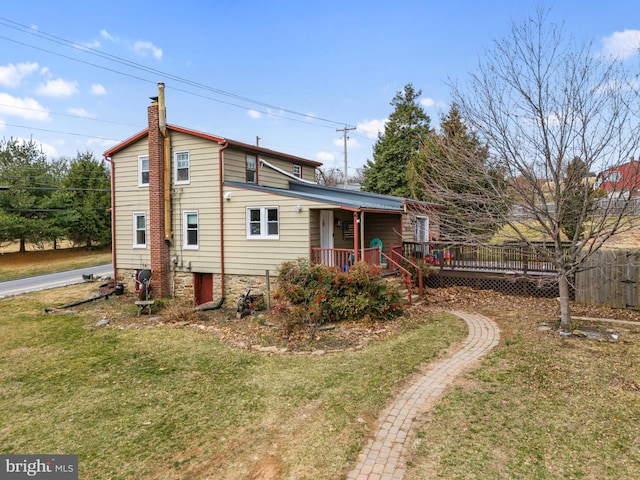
<point x="182" y="167"/>
<point x="263" y="223"/>
<point x="191" y="229"/>
<point x="252" y="169"/>
<point x="422" y="229"/>
<point x="297" y="171"/>
<point x="143" y="169"/>
<point x="139" y="230"/>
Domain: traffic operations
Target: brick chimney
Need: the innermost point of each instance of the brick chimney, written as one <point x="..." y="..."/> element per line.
<point x="161" y="277"/>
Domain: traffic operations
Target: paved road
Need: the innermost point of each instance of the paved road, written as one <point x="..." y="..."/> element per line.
<point x="384" y="458"/>
<point x="53" y="280"/>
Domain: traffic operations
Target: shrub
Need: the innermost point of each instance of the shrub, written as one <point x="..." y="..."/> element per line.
<point x="315" y="294"/>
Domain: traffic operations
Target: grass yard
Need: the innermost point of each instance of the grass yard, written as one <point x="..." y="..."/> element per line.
<point x="147" y="399"/>
<point x="539" y="407"/>
<point x="15" y="265"/>
<point x="176" y="403"/>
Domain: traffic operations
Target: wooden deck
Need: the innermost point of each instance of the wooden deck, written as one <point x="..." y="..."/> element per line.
<point x="491" y="258"/>
<point x="515" y="270"/>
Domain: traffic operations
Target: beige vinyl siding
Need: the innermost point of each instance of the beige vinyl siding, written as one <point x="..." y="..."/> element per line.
<point x="385" y="227"/>
<point x="253" y="256"/>
<point x="272" y="178"/>
<point x="129" y="198"/>
<point x="201" y="195"/>
<point x="235" y="167"/>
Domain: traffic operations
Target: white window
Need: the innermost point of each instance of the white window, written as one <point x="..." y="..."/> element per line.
<point x="612" y="177"/>
<point x="263" y="222"/>
<point x="252" y="171"/>
<point x="139" y="230"/>
<point x="181" y="162"/>
<point x="422" y="229"/>
<point x="143" y="169"/>
<point x="297" y="171"/>
<point x="191" y="230"/>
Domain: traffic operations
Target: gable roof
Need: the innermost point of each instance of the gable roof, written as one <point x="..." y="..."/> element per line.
<point x="220" y="140"/>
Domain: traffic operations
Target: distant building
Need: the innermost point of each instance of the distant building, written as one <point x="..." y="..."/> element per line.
<point x="623" y="180"/>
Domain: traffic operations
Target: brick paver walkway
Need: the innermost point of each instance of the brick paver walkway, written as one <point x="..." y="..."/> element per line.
<point x="384" y="456"/>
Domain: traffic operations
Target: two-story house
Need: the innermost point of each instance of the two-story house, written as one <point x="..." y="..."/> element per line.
<point x="208" y="215"/>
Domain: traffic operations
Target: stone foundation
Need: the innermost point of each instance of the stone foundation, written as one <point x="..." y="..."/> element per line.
<point x="182" y="284"/>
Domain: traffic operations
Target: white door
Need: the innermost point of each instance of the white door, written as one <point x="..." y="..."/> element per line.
<point x="422" y="229"/>
<point x="326" y="236"/>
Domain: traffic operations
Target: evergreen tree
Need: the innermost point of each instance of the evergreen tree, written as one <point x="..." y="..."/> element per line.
<point x="451" y="169"/>
<point x="87" y="197"/>
<point x="405" y="132"/>
<point x="24" y="169"/>
<point x="577" y="199"/>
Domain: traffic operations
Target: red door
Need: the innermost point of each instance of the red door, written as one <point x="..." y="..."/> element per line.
<point x="202" y="288"/>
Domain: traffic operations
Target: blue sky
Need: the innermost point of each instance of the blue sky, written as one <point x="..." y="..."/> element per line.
<point x="290" y="72"/>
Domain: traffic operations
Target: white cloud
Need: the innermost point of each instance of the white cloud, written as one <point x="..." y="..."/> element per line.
<point x="254" y="114"/>
<point x="106" y="35"/>
<point x="98" y="89"/>
<point x="93" y="44"/>
<point x="622" y="45"/>
<point x="49" y="150"/>
<point x="351" y="142"/>
<point x="11" y="75"/>
<point x="429" y="102"/>
<point x="81" y="112"/>
<point x="325" y="157"/>
<point x="143" y="49"/>
<point x="58" y="88"/>
<point x="372" y="127"/>
<point x="25" y="108"/>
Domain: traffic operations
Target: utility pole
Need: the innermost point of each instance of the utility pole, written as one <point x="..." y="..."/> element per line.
<point x="257" y="141"/>
<point x="346" y="137"/>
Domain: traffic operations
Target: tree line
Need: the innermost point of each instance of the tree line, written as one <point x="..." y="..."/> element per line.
<point x="48" y="200"/>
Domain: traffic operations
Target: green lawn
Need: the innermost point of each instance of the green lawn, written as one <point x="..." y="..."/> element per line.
<point x="176" y="403"/>
<point x="540" y="407"/>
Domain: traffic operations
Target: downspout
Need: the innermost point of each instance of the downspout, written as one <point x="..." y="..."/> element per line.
<point x="223" y="147"/>
<point x="113" y="218"/>
<point x="162" y="117"/>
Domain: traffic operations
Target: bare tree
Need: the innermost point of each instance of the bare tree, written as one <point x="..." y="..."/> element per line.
<point x="550" y="112"/>
<point x="331" y="177"/>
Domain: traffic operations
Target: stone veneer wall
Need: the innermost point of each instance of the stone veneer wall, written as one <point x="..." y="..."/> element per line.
<point x="182" y="284"/>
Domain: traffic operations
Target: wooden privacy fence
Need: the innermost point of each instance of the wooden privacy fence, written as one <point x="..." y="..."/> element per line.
<point x="610" y="278"/>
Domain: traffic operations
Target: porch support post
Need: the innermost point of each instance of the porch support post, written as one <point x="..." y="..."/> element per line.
<point x="362" y="247"/>
<point x="356" y="236"/>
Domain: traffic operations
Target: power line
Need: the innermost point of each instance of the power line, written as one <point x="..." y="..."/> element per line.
<point x="70" y="44"/>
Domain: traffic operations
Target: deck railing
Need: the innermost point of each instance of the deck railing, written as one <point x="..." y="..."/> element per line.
<point x="473" y="257"/>
<point x="343" y="258"/>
